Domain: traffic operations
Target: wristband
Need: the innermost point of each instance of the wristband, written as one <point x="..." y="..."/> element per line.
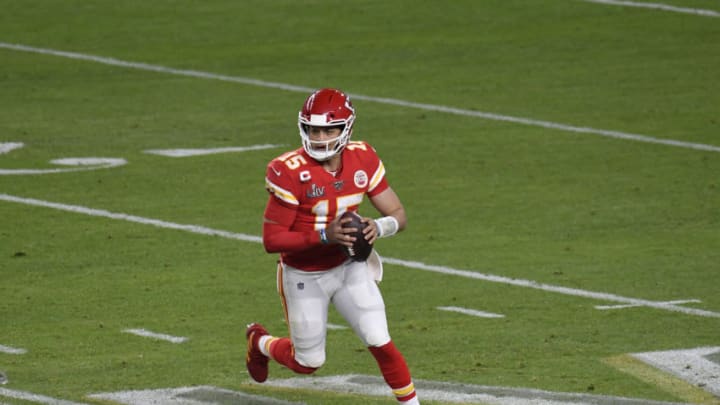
<point x="323" y="237"/>
<point x="387" y="226"/>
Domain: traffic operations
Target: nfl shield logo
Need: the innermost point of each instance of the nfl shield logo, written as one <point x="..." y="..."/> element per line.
<point x="301" y="286"/>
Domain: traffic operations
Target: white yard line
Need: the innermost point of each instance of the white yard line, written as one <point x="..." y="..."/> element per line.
<point x="456" y="393"/>
<point x="605" y="307"/>
<point x="30" y="397"/>
<point x="12" y="350"/>
<point x="79" y="164"/>
<point x="691" y="365"/>
<point x="208" y="151"/>
<point x="131" y="218"/>
<point x="471" y="312"/>
<point x="197" y="395"/>
<point x="381" y="100"/>
<point x="158" y="336"/>
<point x="405" y="263"/>
<point x="6" y="147"/>
<point x="659" y="6"/>
<point x="518" y="282"/>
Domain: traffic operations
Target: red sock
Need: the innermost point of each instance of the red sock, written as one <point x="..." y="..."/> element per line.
<point x="281" y="350"/>
<point x="394" y="370"/>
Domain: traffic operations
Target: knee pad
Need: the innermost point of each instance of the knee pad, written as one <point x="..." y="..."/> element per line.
<point x="313" y="359"/>
<point x="373" y="331"/>
<point x="376" y="339"/>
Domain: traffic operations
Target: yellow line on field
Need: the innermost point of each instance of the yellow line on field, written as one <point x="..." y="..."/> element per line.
<point x="664" y="381"/>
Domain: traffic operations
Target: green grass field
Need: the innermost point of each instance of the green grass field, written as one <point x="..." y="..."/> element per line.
<point x="553" y="156"/>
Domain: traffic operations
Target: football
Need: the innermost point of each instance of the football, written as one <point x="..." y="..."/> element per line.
<point x="361" y="248"/>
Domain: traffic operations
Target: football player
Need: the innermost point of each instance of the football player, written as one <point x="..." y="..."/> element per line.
<point x="310" y="188"/>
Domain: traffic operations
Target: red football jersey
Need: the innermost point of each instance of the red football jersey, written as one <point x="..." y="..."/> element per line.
<point x="299" y="182"/>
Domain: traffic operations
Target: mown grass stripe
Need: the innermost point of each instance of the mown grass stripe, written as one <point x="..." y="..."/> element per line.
<point x="380" y="100"/>
<point x="404" y="263"/>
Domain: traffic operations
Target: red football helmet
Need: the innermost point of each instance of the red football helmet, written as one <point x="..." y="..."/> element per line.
<point x="326" y="108"/>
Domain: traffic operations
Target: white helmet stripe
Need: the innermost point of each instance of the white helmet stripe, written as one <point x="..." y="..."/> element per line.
<point x="317" y="120"/>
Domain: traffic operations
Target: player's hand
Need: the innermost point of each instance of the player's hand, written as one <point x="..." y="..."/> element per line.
<point x="337" y="233"/>
<point x="370" y="230"/>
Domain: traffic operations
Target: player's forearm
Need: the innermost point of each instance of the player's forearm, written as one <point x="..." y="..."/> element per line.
<point x="391" y="223"/>
<point x="400" y="217"/>
<point x="389" y="206"/>
<point x="276" y="239"/>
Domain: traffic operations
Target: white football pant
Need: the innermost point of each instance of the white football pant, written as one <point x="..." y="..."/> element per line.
<point x="307" y="295"/>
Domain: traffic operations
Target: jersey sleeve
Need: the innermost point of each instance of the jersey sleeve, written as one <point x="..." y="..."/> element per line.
<point x="378" y="183"/>
<point x="280" y="213"/>
<point x="278" y="183"/>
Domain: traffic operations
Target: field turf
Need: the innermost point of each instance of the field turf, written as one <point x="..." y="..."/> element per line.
<point x="565" y="151"/>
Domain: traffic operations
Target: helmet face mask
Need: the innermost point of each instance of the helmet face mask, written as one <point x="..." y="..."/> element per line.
<point x="326" y="108"/>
